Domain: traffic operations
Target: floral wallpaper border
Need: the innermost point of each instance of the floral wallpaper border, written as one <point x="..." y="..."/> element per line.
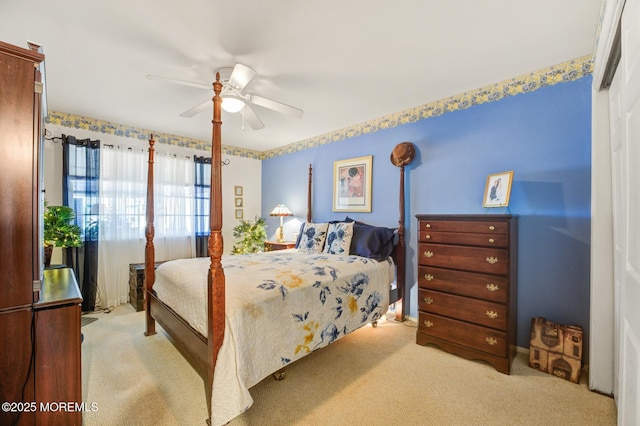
<point x="568" y="71"/>
<point x="106" y="127"/>
<point x="565" y="72"/>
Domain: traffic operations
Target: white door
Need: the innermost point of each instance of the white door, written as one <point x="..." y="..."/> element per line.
<point x="617" y="166"/>
<point x="625" y="156"/>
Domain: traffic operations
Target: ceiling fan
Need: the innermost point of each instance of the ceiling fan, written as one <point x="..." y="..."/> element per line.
<point x="234" y="80"/>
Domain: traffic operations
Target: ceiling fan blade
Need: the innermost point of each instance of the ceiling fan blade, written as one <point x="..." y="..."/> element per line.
<point x="276" y="106"/>
<point x="177" y="81"/>
<point x="241" y="76"/>
<point x="196" y="109"/>
<point x="252" y="118"/>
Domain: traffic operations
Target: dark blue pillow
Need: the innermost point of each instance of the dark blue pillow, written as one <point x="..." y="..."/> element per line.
<point x="371" y="241"/>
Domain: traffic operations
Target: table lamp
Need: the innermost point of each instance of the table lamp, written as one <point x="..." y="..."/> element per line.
<point x="280" y="210"/>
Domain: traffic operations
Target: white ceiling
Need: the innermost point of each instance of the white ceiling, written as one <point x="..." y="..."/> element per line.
<point x="342" y="62"/>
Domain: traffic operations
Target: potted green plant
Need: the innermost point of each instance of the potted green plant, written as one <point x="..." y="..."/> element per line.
<point x="59" y="230"/>
<point x="251" y="235"/>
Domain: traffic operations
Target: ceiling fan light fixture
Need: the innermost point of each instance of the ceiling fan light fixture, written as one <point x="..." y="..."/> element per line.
<point x="232" y="103"/>
<point x="234" y="81"/>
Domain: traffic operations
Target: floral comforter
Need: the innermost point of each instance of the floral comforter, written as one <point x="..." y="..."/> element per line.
<point x="280" y="306"/>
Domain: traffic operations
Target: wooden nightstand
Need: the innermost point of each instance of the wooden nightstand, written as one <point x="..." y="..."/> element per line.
<point x="274" y="245"/>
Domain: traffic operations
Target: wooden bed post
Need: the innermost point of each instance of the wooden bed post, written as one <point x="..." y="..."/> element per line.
<point x="402" y="154"/>
<point x="149" y="250"/>
<point x="216" y="279"/>
<point x="400" y="254"/>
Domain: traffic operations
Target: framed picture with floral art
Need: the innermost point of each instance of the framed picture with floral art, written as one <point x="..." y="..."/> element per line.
<point x="352" y="185"/>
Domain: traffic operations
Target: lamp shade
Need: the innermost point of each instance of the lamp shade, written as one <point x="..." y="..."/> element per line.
<point x="281" y="210"/>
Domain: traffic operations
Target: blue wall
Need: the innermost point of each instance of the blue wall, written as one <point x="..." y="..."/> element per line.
<point x="543" y="136"/>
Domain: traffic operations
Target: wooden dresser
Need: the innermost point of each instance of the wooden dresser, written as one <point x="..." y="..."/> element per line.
<point x="57" y="367"/>
<point x="467" y="282"/>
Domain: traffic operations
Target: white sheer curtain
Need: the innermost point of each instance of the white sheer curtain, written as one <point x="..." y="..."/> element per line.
<point x="123" y="192"/>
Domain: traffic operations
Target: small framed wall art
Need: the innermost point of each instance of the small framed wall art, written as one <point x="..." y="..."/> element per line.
<point x="352" y="185"/>
<point x="497" y="190"/>
<point x="237" y="191"/>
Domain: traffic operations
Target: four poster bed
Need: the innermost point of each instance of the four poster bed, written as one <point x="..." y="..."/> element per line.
<point x="241" y="318"/>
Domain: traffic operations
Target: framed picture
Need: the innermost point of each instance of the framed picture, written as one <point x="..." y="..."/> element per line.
<point x="498" y="190"/>
<point x="238" y="202"/>
<point x="238" y="191"/>
<point x="352" y="185"/>
<point x="239" y="214"/>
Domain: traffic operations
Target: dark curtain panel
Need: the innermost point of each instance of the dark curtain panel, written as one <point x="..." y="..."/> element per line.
<point x="203" y="185"/>
<point x="81" y="191"/>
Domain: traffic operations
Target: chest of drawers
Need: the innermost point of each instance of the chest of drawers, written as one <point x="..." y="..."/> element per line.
<point x="467" y="286"/>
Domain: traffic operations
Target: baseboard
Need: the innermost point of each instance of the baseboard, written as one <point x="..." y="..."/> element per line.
<point x="391" y="316"/>
<point x="410" y="318"/>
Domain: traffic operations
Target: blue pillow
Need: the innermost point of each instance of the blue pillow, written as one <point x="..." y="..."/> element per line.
<point x="374" y="242"/>
<point x="339" y="237"/>
<point x="313" y="238"/>
<point x="302" y="229"/>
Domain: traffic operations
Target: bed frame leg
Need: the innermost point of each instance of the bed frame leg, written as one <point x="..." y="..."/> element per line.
<point x="150" y="329"/>
<point x="208" y="392"/>
<point x="280" y="374"/>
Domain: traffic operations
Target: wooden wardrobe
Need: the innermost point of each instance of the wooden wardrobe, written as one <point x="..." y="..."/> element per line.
<point x="39" y="310"/>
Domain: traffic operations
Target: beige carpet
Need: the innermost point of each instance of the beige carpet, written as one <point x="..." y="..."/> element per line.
<point x="374" y="376"/>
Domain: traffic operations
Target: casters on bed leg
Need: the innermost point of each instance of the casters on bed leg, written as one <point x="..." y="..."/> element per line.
<point x="280" y="374"/>
<point x="374" y="324"/>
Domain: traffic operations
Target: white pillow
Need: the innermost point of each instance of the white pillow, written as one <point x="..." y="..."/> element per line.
<point x="339" y="238"/>
<point x="313" y="237"/>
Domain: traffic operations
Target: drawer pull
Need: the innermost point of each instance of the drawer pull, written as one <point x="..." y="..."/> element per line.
<point x="428" y="324"/>
<point x="492" y="260"/>
<point x="492" y="314"/>
<point x="492" y="341"/>
<point x="428" y="225"/>
<point x="429" y="277"/>
<point x="427" y="237"/>
<point x="492" y="287"/>
<point x="429" y="300"/>
<point x="492" y="228"/>
<point x="491" y="241"/>
<point x="428" y="254"/>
